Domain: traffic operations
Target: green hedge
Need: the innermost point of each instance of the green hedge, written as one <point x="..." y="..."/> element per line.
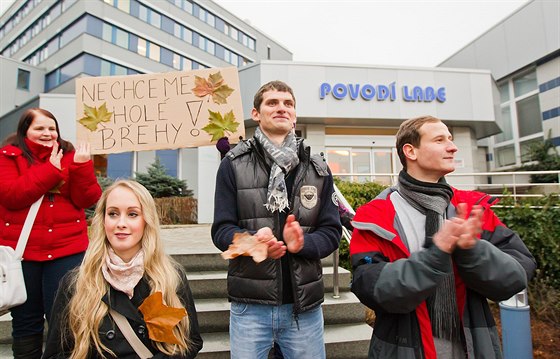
<point x="537" y="221"/>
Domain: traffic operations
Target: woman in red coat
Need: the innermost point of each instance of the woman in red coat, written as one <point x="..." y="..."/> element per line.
<point x="39" y="162"/>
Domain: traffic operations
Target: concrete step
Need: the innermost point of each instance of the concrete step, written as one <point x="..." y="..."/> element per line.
<point x="213" y="314"/>
<point x="211" y="260"/>
<point x="342" y="341"/>
<point x="210" y="293"/>
<point x="213" y="284"/>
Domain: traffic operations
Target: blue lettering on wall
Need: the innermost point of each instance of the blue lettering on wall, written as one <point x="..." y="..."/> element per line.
<point x="339" y="91"/>
<point x="382" y="92"/>
<point x="368" y="92"/>
<point x="324" y="90"/>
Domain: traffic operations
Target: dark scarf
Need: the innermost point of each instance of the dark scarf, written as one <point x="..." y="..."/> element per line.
<point x="432" y="199"/>
<point x="284" y="159"/>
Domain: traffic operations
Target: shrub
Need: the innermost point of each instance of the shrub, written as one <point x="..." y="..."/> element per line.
<point x="536" y="222"/>
<point x="356" y="194"/>
<point x="177" y="210"/>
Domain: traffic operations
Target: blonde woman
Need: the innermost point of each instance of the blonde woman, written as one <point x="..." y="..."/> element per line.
<point x="124" y="264"/>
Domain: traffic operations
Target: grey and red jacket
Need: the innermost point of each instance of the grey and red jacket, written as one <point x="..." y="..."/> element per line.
<point x="395" y="283"/>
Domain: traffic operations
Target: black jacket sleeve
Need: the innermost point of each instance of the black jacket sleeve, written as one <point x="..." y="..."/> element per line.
<point x="226" y="219"/>
<point x="59" y="342"/>
<point x="186" y="297"/>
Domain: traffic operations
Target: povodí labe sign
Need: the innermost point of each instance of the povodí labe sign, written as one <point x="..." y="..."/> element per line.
<point x="390" y="92"/>
<point x="159" y="111"/>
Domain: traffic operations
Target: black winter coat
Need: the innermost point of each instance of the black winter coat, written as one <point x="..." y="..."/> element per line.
<point x="109" y="332"/>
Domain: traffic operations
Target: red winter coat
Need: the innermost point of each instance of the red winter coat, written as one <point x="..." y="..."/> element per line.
<point x="60" y="228"/>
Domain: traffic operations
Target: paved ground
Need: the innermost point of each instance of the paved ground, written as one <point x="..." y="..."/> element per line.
<point x="177" y="240"/>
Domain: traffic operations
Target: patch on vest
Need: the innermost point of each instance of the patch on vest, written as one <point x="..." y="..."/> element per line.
<point x="334" y="199"/>
<point x="308" y="196"/>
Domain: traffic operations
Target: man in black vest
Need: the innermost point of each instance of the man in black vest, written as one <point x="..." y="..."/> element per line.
<point x="273" y="188"/>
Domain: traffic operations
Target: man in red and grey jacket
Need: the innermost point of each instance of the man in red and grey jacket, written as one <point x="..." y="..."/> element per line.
<point x="427" y="257"/>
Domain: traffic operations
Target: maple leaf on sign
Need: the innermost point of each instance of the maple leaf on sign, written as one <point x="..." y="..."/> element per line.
<point x="214" y="86"/>
<point x="245" y="244"/>
<point x="93" y="116"/>
<point x="218" y="124"/>
<point x="161" y="319"/>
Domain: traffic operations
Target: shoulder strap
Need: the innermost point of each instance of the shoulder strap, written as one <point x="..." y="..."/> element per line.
<point x="27" y="225"/>
<point x="136" y="344"/>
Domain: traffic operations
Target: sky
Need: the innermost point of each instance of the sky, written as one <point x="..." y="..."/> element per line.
<point x="370" y="32"/>
<point x="373" y="32"/>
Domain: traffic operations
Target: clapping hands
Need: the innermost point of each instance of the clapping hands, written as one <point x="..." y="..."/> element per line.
<point x="83" y="152"/>
<point x="56" y="155"/>
<point x="460" y="231"/>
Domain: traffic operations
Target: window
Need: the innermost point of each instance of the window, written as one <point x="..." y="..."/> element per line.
<point x="505" y="124"/>
<point x="526" y="146"/>
<point x="119" y="165"/>
<point x="169" y="159"/>
<point x="142" y="47"/>
<point x="154" y="51"/>
<point x="525" y="83"/>
<point x="521" y="120"/>
<point x="120" y="37"/>
<point x="123" y="5"/>
<point x="505" y="156"/>
<point x="23" y="78"/>
<point x="504" y="92"/>
<point x="368" y="161"/>
<point x="529" y="116"/>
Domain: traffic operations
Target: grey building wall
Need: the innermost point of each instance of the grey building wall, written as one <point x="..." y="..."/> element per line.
<point x="527" y="39"/>
<point x="12" y="96"/>
<point x="528" y="35"/>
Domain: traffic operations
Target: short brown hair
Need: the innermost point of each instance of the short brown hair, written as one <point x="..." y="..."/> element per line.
<point x="271" y="86"/>
<point x="409" y="132"/>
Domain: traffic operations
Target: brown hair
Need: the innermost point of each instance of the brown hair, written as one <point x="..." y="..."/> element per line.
<point x="23" y="125"/>
<point x="409" y="132"/>
<point x="271" y="86"/>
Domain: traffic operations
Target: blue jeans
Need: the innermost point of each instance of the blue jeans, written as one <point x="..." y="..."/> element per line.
<point x="41" y="284"/>
<point x="253" y="329"/>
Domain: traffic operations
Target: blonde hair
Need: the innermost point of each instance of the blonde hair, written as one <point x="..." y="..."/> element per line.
<point x="86" y="310"/>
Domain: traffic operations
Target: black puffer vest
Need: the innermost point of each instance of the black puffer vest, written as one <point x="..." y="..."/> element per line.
<point x="261" y="283"/>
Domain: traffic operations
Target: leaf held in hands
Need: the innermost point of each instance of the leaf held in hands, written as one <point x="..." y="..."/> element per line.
<point x="161" y="319"/>
<point x="218" y="125"/>
<point x="214" y="86"/>
<point x="93" y="116"/>
<point x="245" y="244"/>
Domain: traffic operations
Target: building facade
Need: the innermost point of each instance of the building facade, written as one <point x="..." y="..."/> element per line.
<point x="350" y="113"/>
<point x="523" y="54"/>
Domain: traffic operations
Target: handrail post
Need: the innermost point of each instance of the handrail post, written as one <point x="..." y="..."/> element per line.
<point x="514" y="190"/>
<point x="336" y="293"/>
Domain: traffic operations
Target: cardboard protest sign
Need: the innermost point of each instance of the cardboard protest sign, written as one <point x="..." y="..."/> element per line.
<point x="159" y="111"/>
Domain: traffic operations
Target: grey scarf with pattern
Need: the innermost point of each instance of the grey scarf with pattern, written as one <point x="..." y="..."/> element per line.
<point x="284" y="159"/>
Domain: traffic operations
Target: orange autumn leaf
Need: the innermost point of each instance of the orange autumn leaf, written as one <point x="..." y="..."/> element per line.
<point x="161" y="319"/>
<point x="214" y="86"/>
<point x="245" y="244"/>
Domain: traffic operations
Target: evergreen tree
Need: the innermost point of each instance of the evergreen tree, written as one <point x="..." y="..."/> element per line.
<point x="160" y="184"/>
<point x="548" y="160"/>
